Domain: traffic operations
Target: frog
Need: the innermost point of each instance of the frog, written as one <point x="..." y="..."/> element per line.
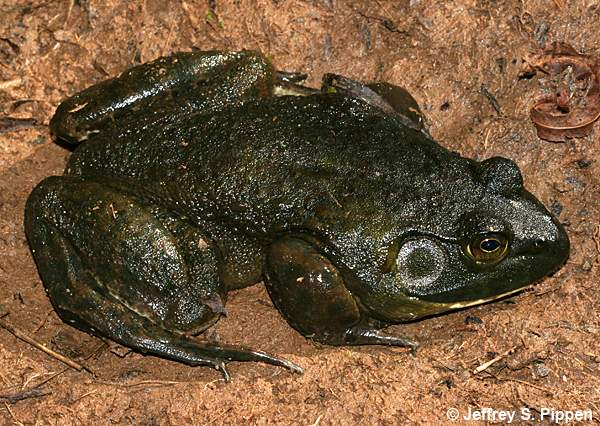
<point x="205" y="172"/>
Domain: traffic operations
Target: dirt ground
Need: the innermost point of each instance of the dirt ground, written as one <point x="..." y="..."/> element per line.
<point x="448" y="54"/>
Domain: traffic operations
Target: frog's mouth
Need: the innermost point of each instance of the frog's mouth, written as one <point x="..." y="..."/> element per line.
<point x="413" y="308"/>
<point x="467" y="303"/>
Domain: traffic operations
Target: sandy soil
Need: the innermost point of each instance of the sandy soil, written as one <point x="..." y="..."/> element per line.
<point x="446" y="54"/>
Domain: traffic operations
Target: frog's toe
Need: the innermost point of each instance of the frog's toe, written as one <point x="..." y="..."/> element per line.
<point x="292" y="367"/>
<point x="238" y="353"/>
<point x="281" y="362"/>
<point x="361" y="335"/>
<point x="220" y="365"/>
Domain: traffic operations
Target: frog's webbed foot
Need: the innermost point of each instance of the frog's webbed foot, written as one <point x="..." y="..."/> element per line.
<point x="310" y="293"/>
<point x="81" y="305"/>
<point x="387" y="97"/>
<point x="363" y="335"/>
<point x="116" y="265"/>
<point x="183" y="349"/>
<point x="139" y="333"/>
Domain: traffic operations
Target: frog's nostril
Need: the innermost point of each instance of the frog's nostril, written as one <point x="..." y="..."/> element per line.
<point x="556" y="247"/>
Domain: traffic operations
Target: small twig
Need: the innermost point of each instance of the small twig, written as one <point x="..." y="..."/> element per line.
<point x="4" y="379"/>
<point x="19" y="396"/>
<point x="32" y="392"/>
<point x="13" y="415"/>
<point x="43" y="323"/>
<point x="20" y="335"/>
<point x="52" y="377"/>
<point x="318" y="420"/>
<point x="140" y="383"/>
<point x="596" y="238"/>
<point x="491" y="98"/>
<point x="84" y="395"/>
<point x="35" y="375"/>
<point x="7" y="84"/>
<point x="486" y="140"/>
<point x="71" y="4"/>
<point x="8" y="124"/>
<point x="492" y="361"/>
<point x="98" y="350"/>
<point x="387" y="23"/>
<point x="17" y="422"/>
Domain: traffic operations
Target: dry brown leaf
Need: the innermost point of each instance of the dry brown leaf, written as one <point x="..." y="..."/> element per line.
<point x="570" y="112"/>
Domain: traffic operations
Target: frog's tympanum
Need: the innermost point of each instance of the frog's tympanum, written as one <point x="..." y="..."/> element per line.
<point x="204" y="172"/>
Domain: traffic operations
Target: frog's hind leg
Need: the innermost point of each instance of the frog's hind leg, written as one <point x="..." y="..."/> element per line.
<point x="389" y="98"/>
<point x="310" y="293"/>
<point x="120" y="267"/>
<point x="169" y="87"/>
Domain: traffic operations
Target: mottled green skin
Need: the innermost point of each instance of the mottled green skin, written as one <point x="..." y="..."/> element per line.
<point x="210" y="183"/>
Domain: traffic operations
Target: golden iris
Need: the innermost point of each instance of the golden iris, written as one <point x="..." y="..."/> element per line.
<point x="487" y="248"/>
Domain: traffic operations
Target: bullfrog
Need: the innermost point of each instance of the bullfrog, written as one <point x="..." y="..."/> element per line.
<point x="205" y="172"/>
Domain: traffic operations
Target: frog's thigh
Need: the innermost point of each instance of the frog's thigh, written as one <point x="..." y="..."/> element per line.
<point x="117" y="267"/>
<point x="309" y="291"/>
<point x="154" y="264"/>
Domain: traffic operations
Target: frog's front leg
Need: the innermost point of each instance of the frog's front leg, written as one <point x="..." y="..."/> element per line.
<point x="311" y="294"/>
<point x="117" y="265"/>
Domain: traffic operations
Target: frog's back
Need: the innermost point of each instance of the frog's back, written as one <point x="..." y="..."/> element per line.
<point x="269" y="164"/>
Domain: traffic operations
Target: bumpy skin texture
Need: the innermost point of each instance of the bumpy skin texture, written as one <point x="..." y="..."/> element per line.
<point x="193" y="179"/>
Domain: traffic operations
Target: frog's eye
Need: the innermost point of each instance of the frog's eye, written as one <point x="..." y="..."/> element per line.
<point x="487" y="248"/>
